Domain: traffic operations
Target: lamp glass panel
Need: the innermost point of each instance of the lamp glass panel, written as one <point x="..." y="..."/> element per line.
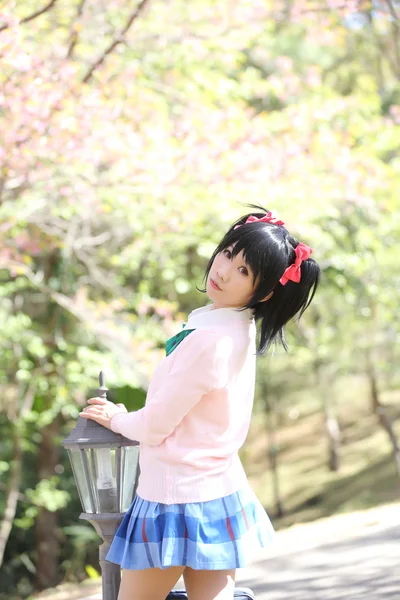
<point x="102" y="466"/>
<point x="82" y="484"/>
<point x="129" y="475"/>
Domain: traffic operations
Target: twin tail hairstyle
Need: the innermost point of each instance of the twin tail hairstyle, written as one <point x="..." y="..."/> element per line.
<point x="269" y="249"/>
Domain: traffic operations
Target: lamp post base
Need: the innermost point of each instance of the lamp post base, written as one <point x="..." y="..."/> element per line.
<point x="106" y="526"/>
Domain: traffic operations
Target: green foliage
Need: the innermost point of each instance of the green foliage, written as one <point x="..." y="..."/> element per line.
<point x="46" y="494"/>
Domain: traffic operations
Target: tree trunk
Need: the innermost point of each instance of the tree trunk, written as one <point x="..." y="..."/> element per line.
<point x="331" y="423"/>
<point x="272" y="448"/>
<point x="273" y="460"/>
<point x="47" y="521"/>
<point x="46" y="538"/>
<point x="381" y="412"/>
<point x="333" y="432"/>
<point x="12" y="491"/>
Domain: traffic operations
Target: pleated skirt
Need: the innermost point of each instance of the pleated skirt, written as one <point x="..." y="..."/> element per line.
<point x="217" y="534"/>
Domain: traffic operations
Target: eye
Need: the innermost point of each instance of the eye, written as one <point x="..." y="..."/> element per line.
<point x="244" y="271"/>
<point x="227" y="252"/>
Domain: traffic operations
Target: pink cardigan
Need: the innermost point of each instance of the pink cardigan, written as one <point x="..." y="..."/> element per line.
<point x="197" y="412"/>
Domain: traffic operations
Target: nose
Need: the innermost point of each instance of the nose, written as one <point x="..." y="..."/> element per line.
<point x="223" y="273"/>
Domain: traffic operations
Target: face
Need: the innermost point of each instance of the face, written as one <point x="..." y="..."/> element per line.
<point x="230" y="282"/>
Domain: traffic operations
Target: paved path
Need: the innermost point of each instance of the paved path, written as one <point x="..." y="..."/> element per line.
<point x="364" y="567"/>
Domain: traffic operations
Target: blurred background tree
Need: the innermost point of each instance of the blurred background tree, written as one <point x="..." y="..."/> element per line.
<point x="131" y="135"/>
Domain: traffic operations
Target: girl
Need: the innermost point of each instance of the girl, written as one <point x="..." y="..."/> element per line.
<point x="194" y="513"/>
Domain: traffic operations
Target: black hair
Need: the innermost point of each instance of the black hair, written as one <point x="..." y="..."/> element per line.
<point x="269" y="249"/>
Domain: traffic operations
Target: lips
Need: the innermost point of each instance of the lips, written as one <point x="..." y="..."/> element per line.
<point x="214" y="285"/>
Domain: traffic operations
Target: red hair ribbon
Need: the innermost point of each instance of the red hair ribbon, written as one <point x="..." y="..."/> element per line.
<point x="293" y="272"/>
<point x="268" y="218"/>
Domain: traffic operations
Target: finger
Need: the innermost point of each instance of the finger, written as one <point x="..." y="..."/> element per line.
<point x="97" y="419"/>
<point x="94" y="416"/>
<point x="92" y="411"/>
<point x="89" y="416"/>
<point x="99" y="401"/>
<point x="120" y="405"/>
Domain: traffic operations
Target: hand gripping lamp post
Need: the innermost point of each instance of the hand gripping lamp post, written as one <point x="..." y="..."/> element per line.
<point x="105" y="468"/>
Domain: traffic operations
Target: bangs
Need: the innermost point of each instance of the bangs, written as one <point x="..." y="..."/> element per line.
<point x="252" y="255"/>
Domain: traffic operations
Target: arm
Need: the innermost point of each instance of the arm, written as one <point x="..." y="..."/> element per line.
<point x="200" y="365"/>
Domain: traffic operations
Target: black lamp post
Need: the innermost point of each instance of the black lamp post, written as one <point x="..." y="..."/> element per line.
<point x="106" y="470"/>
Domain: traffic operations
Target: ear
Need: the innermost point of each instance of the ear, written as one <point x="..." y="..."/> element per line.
<point x="267" y="297"/>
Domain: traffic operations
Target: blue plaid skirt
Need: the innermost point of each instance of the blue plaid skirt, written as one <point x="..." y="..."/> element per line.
<point x="218" y="534"/>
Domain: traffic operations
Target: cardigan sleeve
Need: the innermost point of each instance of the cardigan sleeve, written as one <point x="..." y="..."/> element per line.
<point x="200" y="365"/>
